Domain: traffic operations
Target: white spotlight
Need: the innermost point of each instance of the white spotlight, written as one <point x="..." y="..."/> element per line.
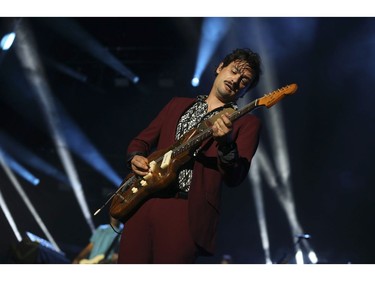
<point x="7" y="41"/>
<point x="36" y="181"/>
<point x="312" y="256"/>
<point x="195" y="82"/>
<point x="135" y="79"/>
<point x="299" y="257"/>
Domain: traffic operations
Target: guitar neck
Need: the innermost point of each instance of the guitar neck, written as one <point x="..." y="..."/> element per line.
<point x="246" y="109"/>
<point x="268" y="100"/>
<point x="206" y="133"/>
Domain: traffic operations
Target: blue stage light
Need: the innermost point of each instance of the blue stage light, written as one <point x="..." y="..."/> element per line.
<point x="19" y="169"/>
<point x="195" y="82"/>
<point x="7" y="41"/>
<point x="213" y="30"/>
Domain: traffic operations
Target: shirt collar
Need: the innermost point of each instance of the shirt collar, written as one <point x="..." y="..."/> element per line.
<point x="202" y="98"/>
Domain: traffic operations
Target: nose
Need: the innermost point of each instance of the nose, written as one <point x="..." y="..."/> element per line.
<point x="236" y="79"/>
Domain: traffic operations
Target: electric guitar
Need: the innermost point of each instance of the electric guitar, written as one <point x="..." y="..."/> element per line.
<point x="164" y="164"/>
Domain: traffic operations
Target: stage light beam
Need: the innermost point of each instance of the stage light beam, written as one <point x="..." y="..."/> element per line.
<point x="34" y="72"/>
<point x="213" y="30"/>
<point x="27" y="202"/>
<point x="84" y="149"/>
<point x="24" y="155"/>
<point x="81" y="38"/>
<point x="7" y="213"/>
<point x="278" y="139"/>
<point x="255" y="178"/>
<point x="20" y="170"/>
<point x="67" y="70"/>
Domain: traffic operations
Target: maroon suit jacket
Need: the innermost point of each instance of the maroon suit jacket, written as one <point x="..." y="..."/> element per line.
<point x="205" y="191"/>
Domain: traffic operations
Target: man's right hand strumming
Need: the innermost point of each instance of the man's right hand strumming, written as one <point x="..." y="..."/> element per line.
<point x="139" y="165"/>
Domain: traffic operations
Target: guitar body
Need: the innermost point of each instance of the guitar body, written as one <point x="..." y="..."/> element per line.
<point x="164" y="164"/>
<point x="135" y="190"/>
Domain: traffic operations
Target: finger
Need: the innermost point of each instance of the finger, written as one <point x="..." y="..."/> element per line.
<point x="214" y="128"/>
<point x="139" y="171"/>
<point x="222" y="128"/>
<point x="215" y="131"/>
<point x="226" y="120"/>
<point x="140" y="163"/>
<point x="219" y="124"/>
<point x="141" y="166"/>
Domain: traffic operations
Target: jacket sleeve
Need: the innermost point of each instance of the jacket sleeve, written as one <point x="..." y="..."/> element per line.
<point x="234" y="164"/>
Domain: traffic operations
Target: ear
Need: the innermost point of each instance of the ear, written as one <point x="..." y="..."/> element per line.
<point x="219" y="68"/>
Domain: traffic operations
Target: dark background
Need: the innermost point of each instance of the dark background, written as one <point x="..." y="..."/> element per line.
<point x="329" y="126"/>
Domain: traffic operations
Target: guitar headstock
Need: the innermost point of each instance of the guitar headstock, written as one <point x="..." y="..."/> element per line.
<point x="274" y="97"/>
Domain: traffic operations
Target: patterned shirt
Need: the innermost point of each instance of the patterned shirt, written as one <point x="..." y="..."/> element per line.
<point x="190" y="119"/>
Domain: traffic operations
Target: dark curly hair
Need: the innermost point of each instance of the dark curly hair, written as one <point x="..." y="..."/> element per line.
<point x="250" y="57"/>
